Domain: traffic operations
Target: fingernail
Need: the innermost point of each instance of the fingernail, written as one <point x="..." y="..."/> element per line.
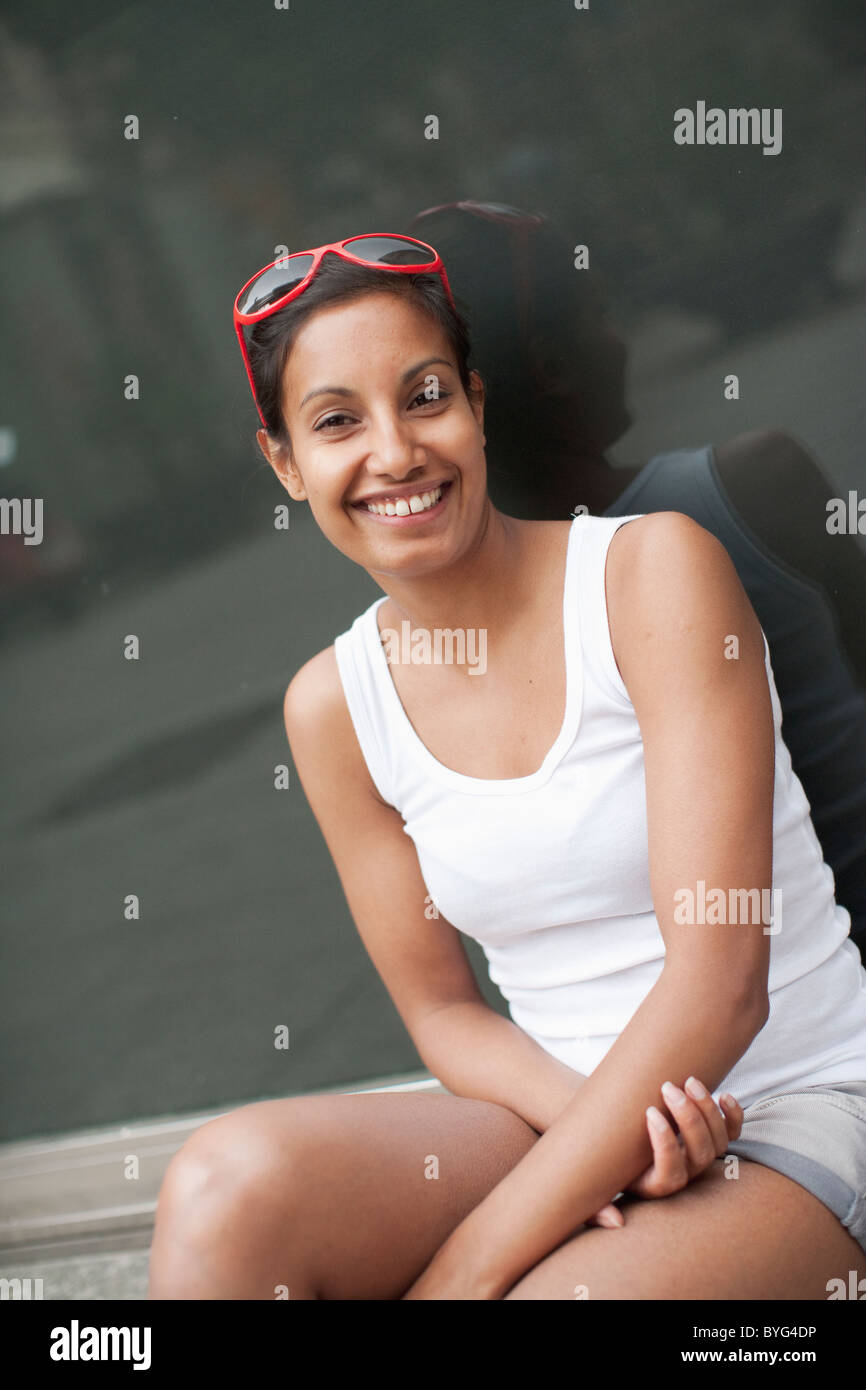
<point x="656" y="1119"/>
<point x="672" y="1094"/>
<point x="727" y="1098"/>
<point x="696" y="1089"/>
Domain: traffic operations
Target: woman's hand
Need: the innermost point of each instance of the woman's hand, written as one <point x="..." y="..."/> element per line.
<point x="704" y="1135"/>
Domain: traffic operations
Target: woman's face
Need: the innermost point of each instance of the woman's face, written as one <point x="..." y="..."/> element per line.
<point x="377" y="414"/>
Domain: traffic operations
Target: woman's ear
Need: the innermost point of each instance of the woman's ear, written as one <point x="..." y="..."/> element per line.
<point x="477" y="398"/>
<point x="280" y="458"/>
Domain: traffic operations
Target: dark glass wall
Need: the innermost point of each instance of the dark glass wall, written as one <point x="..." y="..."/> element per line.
<point x="258" y="127"/>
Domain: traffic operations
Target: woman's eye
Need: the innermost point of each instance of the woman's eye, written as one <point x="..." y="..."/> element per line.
<point x="336" y="420"/>
<point x="329" y="420"/>
<point x="427" y="399"/>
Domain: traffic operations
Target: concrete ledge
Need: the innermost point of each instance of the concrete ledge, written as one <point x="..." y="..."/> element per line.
<point x="69" y="1196"/>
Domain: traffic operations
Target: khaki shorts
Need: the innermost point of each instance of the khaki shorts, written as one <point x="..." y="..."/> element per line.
<point x="817" y="1136"/>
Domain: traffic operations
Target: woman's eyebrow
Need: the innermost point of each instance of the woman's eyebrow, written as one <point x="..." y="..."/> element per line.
<point x="344" y="390"/>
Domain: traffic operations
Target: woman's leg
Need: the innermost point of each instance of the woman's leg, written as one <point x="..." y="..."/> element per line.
<point x="337" y="1197"/>
<point x="759" y="1235"/>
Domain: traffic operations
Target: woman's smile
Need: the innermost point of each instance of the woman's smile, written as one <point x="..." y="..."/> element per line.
<point x="403" y="508"/>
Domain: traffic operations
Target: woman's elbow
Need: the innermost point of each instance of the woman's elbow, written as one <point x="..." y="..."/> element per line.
<point x="752" y="1011"/>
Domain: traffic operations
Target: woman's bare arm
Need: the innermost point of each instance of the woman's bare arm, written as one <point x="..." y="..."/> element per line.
<point x="473" y="1050"/>
<point x="707" y="728"/>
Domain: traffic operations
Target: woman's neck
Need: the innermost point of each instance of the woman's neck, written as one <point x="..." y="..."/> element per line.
<point x="484" y="588"/>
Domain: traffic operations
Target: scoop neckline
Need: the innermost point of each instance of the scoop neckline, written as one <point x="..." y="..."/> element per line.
<point x="461" y="781"/>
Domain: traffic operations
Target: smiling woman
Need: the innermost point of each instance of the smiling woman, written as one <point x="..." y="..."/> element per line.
<point x="557" y="811"/>
<point x="419" y="427"/>
<point x="422" y="425"/>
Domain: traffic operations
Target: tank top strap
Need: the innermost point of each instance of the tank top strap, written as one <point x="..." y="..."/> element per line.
<point x="357" y="655"/>
<point x="598" y="653"/>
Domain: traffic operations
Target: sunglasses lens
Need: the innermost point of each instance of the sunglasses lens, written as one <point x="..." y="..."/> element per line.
<point x="390" y="250"/>
<point x="273" y="283"/>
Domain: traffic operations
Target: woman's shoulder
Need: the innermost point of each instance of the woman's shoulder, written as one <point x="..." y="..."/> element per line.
<point x="316" y="680"/>
<point x="324" y="743"/>
<point x="669" y="580"/>
<point x="645" y="545"/>
<point x="314" y="706"/>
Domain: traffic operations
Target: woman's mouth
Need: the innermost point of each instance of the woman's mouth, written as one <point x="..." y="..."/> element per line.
<point x="407" y="510"/>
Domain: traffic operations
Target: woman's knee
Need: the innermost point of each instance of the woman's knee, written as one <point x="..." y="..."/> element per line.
<point x="227" y="1216"/>
<point x="235" y="1176"/>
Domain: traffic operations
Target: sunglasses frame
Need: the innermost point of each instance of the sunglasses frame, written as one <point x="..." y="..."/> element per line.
<point x="338" y="248"/>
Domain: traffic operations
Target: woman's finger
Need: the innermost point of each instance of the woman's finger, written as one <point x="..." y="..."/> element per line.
<point x="700" y="1125"/>
<point x="733" y="1114"/>
<point x="715" y="1118"/>
<point x="669" y="1169"/>
<point x="609" y="1216"/>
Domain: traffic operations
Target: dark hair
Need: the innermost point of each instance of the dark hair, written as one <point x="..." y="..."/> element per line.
<point x="337" y="282"/>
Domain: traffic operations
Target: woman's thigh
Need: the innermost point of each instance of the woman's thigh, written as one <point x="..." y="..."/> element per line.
<point x="344" y="1196"/>
<point x="758" y="1235"/>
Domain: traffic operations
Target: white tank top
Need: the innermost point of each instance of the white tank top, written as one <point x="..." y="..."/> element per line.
<point x="549" y="873"/>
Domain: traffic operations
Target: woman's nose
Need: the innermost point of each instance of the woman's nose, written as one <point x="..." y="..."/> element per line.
<point x="393" y="447"/>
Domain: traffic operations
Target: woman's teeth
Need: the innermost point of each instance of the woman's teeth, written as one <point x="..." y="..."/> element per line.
<point x="402" y="506"/>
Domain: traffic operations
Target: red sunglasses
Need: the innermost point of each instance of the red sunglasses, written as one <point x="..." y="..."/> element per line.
<point x="287" y="277"/>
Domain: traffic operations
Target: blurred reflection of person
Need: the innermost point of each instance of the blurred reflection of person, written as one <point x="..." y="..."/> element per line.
<point x="555" y="374"/>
